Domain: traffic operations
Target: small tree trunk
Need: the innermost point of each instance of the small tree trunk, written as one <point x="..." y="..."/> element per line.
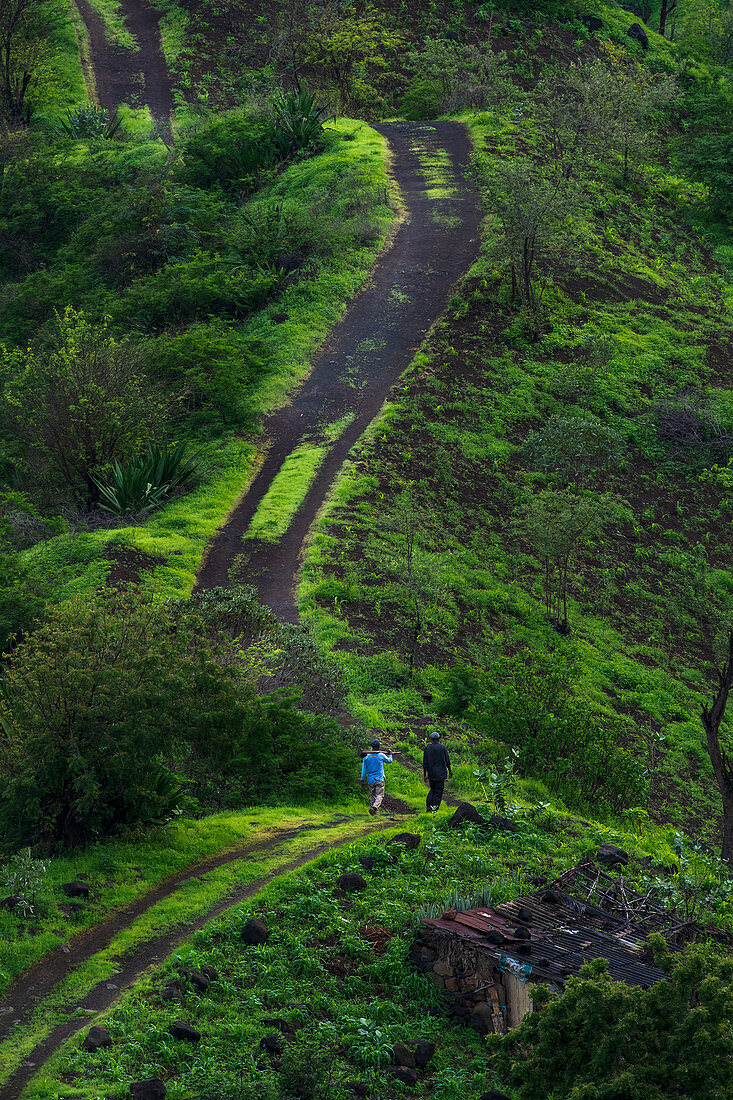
<point x="712" y="718"/>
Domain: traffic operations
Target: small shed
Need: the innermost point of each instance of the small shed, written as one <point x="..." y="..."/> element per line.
<point x="486" y="960"/>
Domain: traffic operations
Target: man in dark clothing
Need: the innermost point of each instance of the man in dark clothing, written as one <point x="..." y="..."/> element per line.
<point x="436" y="767"/>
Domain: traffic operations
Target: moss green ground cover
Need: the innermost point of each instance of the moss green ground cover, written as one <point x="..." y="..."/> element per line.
<point x="328" y="969"/>
<point x="642" y="277"/>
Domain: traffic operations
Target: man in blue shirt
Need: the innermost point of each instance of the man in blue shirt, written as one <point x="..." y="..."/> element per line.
<point x="372" y="775"/>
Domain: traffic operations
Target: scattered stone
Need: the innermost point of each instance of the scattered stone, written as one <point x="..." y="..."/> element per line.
<point x="279" y="318"/>
<point x="592" y="22"/>
<point x="272" y="1045"/>
<point x="401" y="1056"/>
<point x="550" y="897"/>
<point x="179" y="1030"/>
<point x="283" y="1026"/>
<point x="150" y="1089"/>
<point x="494" y="937"/>
<point x="173" y="992"/>
<point x="449" y="914"/>
<point x="524" y="914"/>
<point x="637" y="32"/>
<point x="367" y="862"/>
<point x="522" y="934"/>
<point x="357" y="1088"/>
<point x="465" y="812"/>
<point x="351" y="881"/>
<point x="424" y="1053"/>
<point x="96" y="1038"/>
<point x="403" y="1073"/>
<point x="7" y="1011"/>
<point x="76" y="889"/>
<point x="255" y="931"/>
<point x="64" y="949"/>
<point x="111" y="985"/>
<point x="197" y="979"/>
<point x="537" y="880"/>
<point x="502" y="824"/>
<point x="210" y="972"/>
<point x="524" y="948"/>
<point x="482" y="1019"/>
<point x="609" y="855"/>
<point x="407" y="840"/>
<point x="71" y="910"/>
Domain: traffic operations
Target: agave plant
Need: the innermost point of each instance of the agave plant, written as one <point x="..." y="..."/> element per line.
<point x="88" y="122"/>
<point x="299" y="119"/>
<point x="144" y="483"/>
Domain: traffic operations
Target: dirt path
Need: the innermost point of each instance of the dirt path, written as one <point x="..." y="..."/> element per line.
<point x="365" y="354"/>
<point x="48" y="972"/>
<point x="133" y="77"/>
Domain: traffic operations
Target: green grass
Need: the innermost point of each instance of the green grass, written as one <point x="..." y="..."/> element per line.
<point x="286" y="493"/>
<point x="319" y="966"/>
<point x="115" y="28"/>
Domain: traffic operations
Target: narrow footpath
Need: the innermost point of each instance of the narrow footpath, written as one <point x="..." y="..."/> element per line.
<point x="365" y="354"/>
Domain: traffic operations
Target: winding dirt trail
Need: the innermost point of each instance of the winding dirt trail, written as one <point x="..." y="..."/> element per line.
<point x="125" y="76"/>
<point x="38" y="982"/>
<point x="364" y="356"/>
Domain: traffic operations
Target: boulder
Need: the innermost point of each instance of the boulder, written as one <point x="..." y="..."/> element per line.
<point x="196" y="978"/>
<point x="525" y="915"/>
<point x="367" y="862"/>
<point x="76" y="889"/>
<point x="150" y="1089"/>
<point x="405" y="1074"/>
<point x="180" y="1030"/>
<point x="407" y="840"/>
<point x="424" y="1052"/>
<point x="96" y="1038"/>
<point x="254" y="932"/>
<point x="351" y="881"/>
<point x="449" y="914"/>
<point x="272" y="1044"/>
<point x="210" y="972"/>
<point x="173" y="992"/>
<point x="502" y="824"/>
<point x="610" y="856"/>
<point x="592" y="22"/>
<point x="550" y="897"/>
<point x="465" y="812"/>
<point x="637" y="32"/>
<point x="482" y="1019"/>
<point x="283" y="1026"/>
<point x="522" y="934"/>
<point x="494" y="937"/>
<point x="401" y="1056"/>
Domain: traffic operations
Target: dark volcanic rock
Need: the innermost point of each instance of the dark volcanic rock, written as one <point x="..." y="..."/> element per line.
<point x="255" y="931"/>
<point x="407" y="840"/>
<point x="609" y="855"/>
<point x="150" y="1089"/>
<point x="357" y="1088"/>
<point x="465" y="812"/>
<point x="197" y="979"/>
<point x="96" y="1038"/>
<point x="367" y="862"/>
<point x="180" y="1030"/>
<point x="76" y="889"/>
<point x="494" y="937"/>
<point x="424" y="1052"/>
<point x="351" y="881"/>
<point x="210" y="972"/>
<point x="401" y="1056"/>
<point x="283" y="1026"/>
<point x="521" y="934"/>
<point x="503" y="824"/>
<point x="494" y="1094"/>
<point x="525" y="914"/>
<point x="637" y="32"/>
<point x="272" y="1044"/>
<point x="403" y="1073"/>
<point x="592" y="22"/>
<point x="550" y="897"/>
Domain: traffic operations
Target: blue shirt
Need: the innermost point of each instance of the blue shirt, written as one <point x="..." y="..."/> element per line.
<point x="372" y="769"/>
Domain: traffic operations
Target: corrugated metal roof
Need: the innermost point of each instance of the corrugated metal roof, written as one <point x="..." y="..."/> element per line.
<point x="565" y="935"/>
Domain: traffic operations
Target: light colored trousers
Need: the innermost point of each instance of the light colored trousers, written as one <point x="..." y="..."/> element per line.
<point x="376" y="794"/>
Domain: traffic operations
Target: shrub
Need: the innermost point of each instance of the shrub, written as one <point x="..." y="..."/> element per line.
<point x="144" y="483"/>
<point x="299" y="120"/>
<point x="88" y="122"/>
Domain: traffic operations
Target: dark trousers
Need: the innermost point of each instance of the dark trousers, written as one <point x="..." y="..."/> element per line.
<point x="435" y="794"/>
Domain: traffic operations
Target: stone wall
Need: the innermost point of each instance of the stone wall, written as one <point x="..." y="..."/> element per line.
<point x="467" y="974"/>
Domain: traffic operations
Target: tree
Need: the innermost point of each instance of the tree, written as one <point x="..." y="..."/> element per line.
<point x="605" y="1040"/>
<point x="344" y="44"/>
<point x="81" y="403"/>
<point x="23" y="30"/>
<point x="712" y="719"/>
<point x="557" y="523"/>
<point x="574" y="447"/>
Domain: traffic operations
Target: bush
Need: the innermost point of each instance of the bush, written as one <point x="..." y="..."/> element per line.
<point x="146" y="482"/>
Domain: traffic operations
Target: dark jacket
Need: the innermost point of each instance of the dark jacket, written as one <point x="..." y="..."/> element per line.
<point x="435" y="761"/>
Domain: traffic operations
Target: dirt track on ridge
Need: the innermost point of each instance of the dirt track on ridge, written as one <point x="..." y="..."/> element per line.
<point x="126" y="76"/>
<point x="364" y="356"/>
<point x="38" y="982"/>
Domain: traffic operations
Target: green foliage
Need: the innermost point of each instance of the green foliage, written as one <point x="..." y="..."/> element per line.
<point x="669" y="1041"/>
<point x="574" y="447"/>
<point x="299" y="119"/>
<point x="144" y="483"/>
<point x="24" y="877"/>
<point x="89" y="121"/>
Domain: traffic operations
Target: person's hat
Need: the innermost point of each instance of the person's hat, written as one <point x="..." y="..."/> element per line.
<point x="375" y="743"/>
<point x="434" y="735"/>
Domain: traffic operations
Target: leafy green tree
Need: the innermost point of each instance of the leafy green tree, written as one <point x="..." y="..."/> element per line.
<point x="347" y="46"/>
<point x="574" y="447"/>
<point x="557" y="524"/>
<point x="81" y="403"/>
<point x="605" y="1040"/>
